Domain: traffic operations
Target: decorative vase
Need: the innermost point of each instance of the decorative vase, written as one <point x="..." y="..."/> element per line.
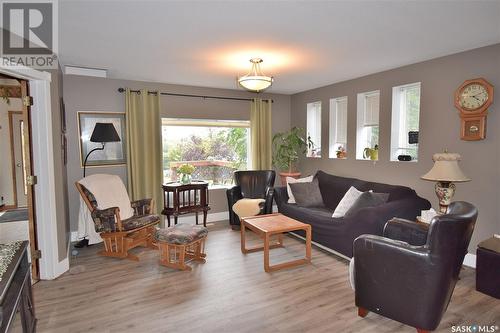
<point x="444" y="192"/>
<point x="185" y="178"/>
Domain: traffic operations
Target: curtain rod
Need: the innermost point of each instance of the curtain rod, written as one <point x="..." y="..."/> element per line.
<point x="121" y="90"/>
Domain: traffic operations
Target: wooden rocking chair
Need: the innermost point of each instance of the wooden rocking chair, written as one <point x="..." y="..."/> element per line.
<point x="119" y="235"/>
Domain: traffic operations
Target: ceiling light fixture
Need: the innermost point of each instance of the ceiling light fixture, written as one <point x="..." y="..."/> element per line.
<point x="255" y="80"/>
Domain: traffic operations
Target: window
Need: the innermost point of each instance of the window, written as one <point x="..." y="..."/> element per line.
<point x="216" y="148"/>
<point x="367" y="123"/>
<point x="338" y="127"/>
<point x="314" y="128"/>
<point x="405" y="119"/>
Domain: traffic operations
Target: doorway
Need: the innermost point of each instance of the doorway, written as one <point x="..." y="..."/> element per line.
<point x="17" y="219"/>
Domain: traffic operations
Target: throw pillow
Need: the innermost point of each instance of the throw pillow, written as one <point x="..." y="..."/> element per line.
<point x="347" y="201"/>
<point x="367" y="199"/>
<point x="291" y="180"/>
<point x="307" y="194"/>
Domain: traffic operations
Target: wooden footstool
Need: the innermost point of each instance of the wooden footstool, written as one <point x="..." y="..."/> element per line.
<point x="180" y="243"/>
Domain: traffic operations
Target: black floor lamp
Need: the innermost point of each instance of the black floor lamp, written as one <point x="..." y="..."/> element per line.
<point x="103" y="132"/>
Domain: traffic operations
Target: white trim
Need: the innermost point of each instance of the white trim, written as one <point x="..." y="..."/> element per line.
<point x="43" y="164"/>
<point x="470" y="260"/>
<point x="85" y="71"/>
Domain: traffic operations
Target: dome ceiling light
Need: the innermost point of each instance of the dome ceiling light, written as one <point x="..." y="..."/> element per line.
<point x="255" y="80"/>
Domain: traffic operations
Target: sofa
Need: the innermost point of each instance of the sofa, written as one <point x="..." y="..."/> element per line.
<point x="338" y="234"/>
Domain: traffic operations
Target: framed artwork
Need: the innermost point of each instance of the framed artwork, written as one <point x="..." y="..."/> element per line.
<point x="113" y="152"/>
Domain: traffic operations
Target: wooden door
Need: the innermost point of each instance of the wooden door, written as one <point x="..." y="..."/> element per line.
<point x="18" y="157"/>
<point x="30" y="178"/>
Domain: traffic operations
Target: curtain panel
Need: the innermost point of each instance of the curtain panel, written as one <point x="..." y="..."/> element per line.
<point x="144" y="146"/>
<point x="260" y="134"/>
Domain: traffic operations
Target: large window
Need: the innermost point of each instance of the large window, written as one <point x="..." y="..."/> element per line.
<point x="367" y="123"/>
<point x="216" y="148"/>
<point x="314" y="128"/>
<point x="405" y="120"/>
<point x="338" y="127"/>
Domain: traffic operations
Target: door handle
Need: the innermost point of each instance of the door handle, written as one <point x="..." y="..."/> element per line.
<point x="18" y="165"/>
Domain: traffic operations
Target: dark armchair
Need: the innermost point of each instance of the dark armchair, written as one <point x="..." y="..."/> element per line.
<point x="257" y="184"/>
<point x="410" y="278"/>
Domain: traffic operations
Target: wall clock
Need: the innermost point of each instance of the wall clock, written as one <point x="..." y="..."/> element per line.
<point x="472" y="99"/>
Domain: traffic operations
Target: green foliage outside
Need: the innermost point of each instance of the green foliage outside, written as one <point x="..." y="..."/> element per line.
<point x="222" y="144"/>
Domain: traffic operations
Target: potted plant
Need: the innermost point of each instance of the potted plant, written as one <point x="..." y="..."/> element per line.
<point x="186" y="170"/>
<point x="371" y="153"/>
<point x="341" y="152"/>
<point x="286" y="149"/>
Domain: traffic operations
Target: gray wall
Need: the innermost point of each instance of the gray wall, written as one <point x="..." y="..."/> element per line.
<point x="61" y="185"/>
<point x="97" y="94"/>
<point x="439" y="129"/>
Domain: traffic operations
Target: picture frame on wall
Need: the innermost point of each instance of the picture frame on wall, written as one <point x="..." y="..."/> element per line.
<point x="114" y="153"/>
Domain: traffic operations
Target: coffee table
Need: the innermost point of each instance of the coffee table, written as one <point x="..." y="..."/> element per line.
<point x="268" y="225"/>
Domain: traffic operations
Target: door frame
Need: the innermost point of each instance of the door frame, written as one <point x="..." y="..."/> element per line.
<point x="43" y="158"/>
<point x="12" y="156"/>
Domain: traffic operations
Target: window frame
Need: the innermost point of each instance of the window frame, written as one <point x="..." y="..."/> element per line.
<point x="362" y="126"/>
<point x="196" y="122"/>
<point x="334" y="125"/>
<point x="310" y="108"/>
<point x="397" y="135"/>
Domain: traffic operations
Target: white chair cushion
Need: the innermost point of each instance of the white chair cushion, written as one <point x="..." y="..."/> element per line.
<point x="291" y="180"/>
<point x="347" y="201"/>
<point x="109" y="191"/>
<point x="247" y="207"/>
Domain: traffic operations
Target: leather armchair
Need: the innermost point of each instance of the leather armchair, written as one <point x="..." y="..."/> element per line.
<point x="255" y="184"/>
<point x="411" y="278"/>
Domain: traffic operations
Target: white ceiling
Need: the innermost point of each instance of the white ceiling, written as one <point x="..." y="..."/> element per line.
<point x="304" y="44"/>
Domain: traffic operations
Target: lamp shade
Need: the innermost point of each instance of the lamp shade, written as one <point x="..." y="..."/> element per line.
<point x="446" y="169"/>
<point x="104" y="132"/>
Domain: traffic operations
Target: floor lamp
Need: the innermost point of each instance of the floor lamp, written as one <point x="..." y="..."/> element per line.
<point x="103" y="132"/>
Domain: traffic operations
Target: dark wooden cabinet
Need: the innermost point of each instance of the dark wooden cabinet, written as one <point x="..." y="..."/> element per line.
<point x="180" y="199"/>
<point x="16" y="298"/>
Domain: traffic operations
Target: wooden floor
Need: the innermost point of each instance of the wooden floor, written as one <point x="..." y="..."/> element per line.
<point x="229" y="293"/>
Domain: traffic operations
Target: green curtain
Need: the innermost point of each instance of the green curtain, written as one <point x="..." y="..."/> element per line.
<point x="260" y="134"/>
<point x="144" y="147"/>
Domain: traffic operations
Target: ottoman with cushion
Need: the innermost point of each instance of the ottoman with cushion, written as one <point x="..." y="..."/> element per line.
<point x="180" y="243"/>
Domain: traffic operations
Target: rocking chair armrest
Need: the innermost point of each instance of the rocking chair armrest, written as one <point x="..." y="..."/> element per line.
<point x="143" y="206"/>
<point x="107" y="220"/>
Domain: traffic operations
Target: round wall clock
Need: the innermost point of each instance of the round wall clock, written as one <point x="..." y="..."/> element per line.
<point x="472" y="99"/>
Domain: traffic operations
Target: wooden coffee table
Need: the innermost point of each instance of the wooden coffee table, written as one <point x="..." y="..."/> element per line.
<point x="268" y="225"/>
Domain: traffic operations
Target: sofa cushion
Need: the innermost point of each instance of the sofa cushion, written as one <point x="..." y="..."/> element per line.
<point x="291" y="180"/>
<point x="307" y="194"/>
<point x="367" y="199"/>
<point x="350" y="197"/>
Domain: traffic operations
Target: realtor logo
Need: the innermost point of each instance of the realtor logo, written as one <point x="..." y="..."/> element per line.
<point x="29" y="33"/>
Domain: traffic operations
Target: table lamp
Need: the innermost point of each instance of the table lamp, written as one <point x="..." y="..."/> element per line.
<point x="445" y="173"/>
<point x="103" y="132"/>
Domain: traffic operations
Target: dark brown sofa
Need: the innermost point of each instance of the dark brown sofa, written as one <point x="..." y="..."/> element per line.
<point x="338" y="234"/>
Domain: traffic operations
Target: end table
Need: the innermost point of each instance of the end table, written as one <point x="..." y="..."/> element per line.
<point x="180" y="199"/>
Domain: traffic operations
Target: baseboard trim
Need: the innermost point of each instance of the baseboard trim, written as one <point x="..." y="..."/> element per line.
<point x="470" y="260"/>
<point x="211" y="218"/>
<point x="327" y="249"/>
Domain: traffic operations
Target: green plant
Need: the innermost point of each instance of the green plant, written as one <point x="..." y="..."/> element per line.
<point x="288" y="145"/>
<point x="186" y="169"/>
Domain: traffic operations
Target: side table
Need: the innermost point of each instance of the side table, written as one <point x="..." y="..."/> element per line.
<point x="488" y="267"/>
<point x="180" y="199"/>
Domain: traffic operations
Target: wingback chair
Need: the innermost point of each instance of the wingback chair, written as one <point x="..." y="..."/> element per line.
<point x="255" y="184"/>
<point x="119" y="235"/>
<point x="413" y="283"/>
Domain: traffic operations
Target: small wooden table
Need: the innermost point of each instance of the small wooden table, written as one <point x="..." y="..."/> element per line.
<point x="180" y="199"/>
<point x="274" y="224"/>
